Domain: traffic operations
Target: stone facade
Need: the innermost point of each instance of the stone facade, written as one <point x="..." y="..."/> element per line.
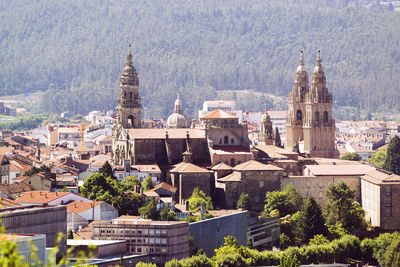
<point x="252" y="178"/>
<point x="310" y="127"/>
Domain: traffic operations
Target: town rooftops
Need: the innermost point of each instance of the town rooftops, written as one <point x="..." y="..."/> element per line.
<point x="15" y="188"/>
<point x="69" y="130"/>
<point x="4" y="160"/>
<point x="185" y="167"/>
<point x="253" y="165"/>
<point x="79" y="206"/>
<point x="40" y="196"/>
<point x="339" y="170"/>
<point x="161" y="133"/>
<point x="218" y="114"/>
<point x="7" y="202"/>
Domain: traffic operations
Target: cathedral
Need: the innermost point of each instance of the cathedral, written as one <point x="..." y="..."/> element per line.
<point x="218" y="137"/>
<point x="310" y="127"/>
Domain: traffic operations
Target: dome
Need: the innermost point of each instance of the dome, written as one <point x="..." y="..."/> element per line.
<point x="176" y="120"/>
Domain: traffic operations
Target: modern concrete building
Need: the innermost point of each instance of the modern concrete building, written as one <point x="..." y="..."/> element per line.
<point x="37" y="220"/>
<point x="380" y="196"/>
<point x="210" y="234"/>
<point x="162" y="240"/>
<point x="28" y="243"/>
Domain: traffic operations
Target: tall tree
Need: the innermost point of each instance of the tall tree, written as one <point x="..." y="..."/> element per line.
<point x="287" y="201"/>
<point x="310" y="222"/>
<point x="392" y="160"/>
<point x="378" y="159"/>
<point x="147" y="184"/>
<point x="107" y="170"/>
<point x="340" y="207"/>
<point x="149" y="210"/>
<point x="243" y="202"/>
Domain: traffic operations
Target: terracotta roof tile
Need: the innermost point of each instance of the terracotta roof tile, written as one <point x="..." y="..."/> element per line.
<point x="79" y="206"/>
<point x="185" y="167"/>
<point x="253" y="165"/>
<point x="222" y="166"/>
<point x="156" y="133"/>
<point x="165" y="186"/>
<point x="40" y="196"/>
<point x="334" y="170"/>
<point x="233" y="177"/>
<point x="7" y="202"/>
<point x="219" y="114"/>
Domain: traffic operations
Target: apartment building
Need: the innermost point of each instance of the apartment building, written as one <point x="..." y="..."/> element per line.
<point x="162" y="240"/>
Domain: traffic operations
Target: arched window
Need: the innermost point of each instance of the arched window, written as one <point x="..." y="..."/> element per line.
<point x="130" y="95"/>
<point x="220" y="141"/>
<point x="131" y="121"/>
<point x="299" y="115"/>
<point x="316" y="116"/>
<point x="325" y="116"/>
<point x="226" y="140"/>
<point x="232" y="162"/>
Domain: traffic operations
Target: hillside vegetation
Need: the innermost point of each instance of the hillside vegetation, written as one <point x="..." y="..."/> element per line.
<point x="75" y="50"/>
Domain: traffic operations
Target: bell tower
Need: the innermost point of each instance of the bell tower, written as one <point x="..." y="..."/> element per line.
<point x="297" y="109"/>
<point x="129" y="107"/>
<point x="310" y="126"/>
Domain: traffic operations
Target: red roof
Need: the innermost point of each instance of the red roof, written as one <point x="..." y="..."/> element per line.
<point x="219" y="114"/>
<point x="40" y="196"/>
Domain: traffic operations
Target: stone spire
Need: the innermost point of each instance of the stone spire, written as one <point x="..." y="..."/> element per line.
<point x="178" y="104"/>
<point x="301" y="67"/>
<point x="318" y="66"/>
<point x="265" y="134"/>
<point x="129" y="56"/>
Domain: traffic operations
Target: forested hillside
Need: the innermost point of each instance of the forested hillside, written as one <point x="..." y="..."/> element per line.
<point x="76" y="50"/>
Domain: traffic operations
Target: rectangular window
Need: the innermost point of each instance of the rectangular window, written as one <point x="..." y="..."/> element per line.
<point x="388" y="190"/>
<point x="261" y="184"/>
<point x="151" y="232"/>
<point x="157" y="232"/>
<point x="388" y="211"/>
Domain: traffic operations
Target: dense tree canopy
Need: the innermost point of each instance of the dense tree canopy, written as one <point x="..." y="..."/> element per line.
<point x="378" y="158"/>
<point x="197" y="197"/>
<point x="351" y="156"/>
<point x="340" y="207"/>
<point x="287" y="201"/>
<point x="199" y="47"/>
<point x="392" y="160"/>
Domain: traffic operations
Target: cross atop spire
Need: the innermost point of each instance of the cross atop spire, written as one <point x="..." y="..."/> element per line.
<point x="301" y="60"/>
<point x="319" y="58"/>
<point x="129" y="56"/>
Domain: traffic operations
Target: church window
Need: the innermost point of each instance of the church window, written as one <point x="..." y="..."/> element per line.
<point x="130" y="95"/>
<point x="124" y="94"/>
<point x="131" y="121"/>
<point x="316" y="116"/>
<point x="226" y="140"/>
<point x="325" y="116"/>
<point x="232" y="141"/>
<point x="299" y="115"/>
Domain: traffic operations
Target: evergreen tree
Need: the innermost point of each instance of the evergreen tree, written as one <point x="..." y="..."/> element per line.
<point x="310" y="222"/>
<point x="392" y="160"/>
<point x="107" y="170"/>
<point x="244" y="202"/>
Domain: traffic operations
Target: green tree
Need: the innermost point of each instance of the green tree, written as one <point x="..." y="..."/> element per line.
<point x="147" y="184"/>
<point x="378" y="159"/>
<point x="340" y="207"/>
<point x="107" y="170"/>
<point x="285" y="241"/>
<point x="351" y="156"/>
<point x="197" y="197"/>
<point x="381" y="244"/>
<point x="310" y="222"/>
<point x="70" y="234"/>
<point x="149" y="210"/>
<point x="244" y="202"/>
<point x="392" y="254"/>
<point x="319" y="240"/>
<point x="130" y="183"/>
<point x="145" y="264"/>
<point x="287" y="201"/>
<point x="97" y="187"/>
<point x="34" y="170"/>
<point x="167" y="215"/>
<point x="392" y="160"/>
